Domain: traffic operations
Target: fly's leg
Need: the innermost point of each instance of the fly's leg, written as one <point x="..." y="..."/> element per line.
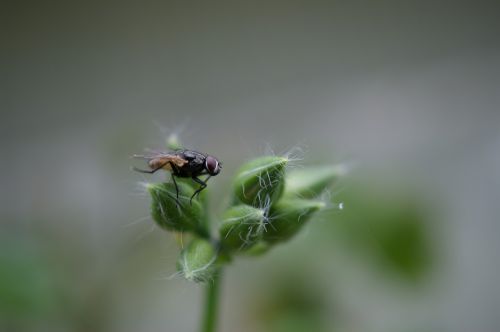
<point x="176" y="190"/>
<point x="149" y="171"/>
<point x="203" y="185"/>
<point x="174" y="172"/>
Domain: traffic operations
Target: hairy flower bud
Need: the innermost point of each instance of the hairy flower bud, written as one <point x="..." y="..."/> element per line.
<point x="288" y="216"/>
<point x="242" y="227"/>
<point x="184" y="215"/>
<point x="312" y="181"/>
<point x="259" y="180"/>
<point x="197" y="261"/>
<point x="258" y="249"/>
<point x="173" y="142"/>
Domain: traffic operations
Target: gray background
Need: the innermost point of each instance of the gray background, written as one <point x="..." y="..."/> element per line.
<point x="404" y="89"/>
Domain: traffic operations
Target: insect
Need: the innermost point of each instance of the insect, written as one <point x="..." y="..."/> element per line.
<point x="183" y="164"/>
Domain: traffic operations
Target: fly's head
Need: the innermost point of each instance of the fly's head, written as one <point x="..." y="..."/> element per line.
<point x="212" y="165"/>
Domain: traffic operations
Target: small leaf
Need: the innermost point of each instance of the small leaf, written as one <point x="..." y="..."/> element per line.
<point x="197" y="261"/>
<point x="185" y="216"/>
<point x="288" y="216"/>
<point x="259" y="180"/>
<point x="312" y="181"/>
<point x="242" y="227"/>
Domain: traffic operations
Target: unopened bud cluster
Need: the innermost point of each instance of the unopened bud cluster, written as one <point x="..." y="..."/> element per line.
<point x="268" y="206"/>
<point x="271" y="206"/>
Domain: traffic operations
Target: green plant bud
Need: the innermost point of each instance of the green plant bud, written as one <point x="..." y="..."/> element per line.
<point x="197" y="262"/>
<point x="287" y="218"/>
<point x="260" y="180"/>
<point x="312" y="181"/>
<point x="242" y="226"/>
<point x="185" y="217"/>
<point x="258" y="249"/>
<point x="173" y="142"/>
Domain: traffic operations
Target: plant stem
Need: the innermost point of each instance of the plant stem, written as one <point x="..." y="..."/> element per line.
<point x="211" y="303"/>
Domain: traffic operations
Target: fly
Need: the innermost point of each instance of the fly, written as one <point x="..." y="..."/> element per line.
<point x="183" y="164"/>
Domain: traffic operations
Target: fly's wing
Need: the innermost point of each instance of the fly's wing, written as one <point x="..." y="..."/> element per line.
<point x="151" y="154"/>
<point x="166" y="161"/>
<point x="163" y="160"/>
<point x="174" y="159"/>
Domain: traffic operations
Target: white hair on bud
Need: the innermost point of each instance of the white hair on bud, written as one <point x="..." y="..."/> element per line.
<point x="140" y="189"/>
<point x="198" y="274"/>
<point x="138" y="221"/>
<point x="329" y="204"/>
<point x="294" y="155"/>
<point x="172" y="135"/>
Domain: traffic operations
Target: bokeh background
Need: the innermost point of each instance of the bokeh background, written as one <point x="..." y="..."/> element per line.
<point x="408" y="92"/>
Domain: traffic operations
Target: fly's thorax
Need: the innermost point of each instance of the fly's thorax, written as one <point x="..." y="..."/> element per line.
<point x="192" y="155"/>
<point x="194" y="167"/>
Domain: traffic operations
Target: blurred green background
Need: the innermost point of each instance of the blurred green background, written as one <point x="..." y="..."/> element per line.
<point x="407" y="91"/>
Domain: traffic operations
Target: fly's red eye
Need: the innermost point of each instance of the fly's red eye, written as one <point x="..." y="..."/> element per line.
<point x="212" y="165"/>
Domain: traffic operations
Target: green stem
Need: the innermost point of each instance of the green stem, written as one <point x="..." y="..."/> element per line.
<point x="211" y="304"/>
